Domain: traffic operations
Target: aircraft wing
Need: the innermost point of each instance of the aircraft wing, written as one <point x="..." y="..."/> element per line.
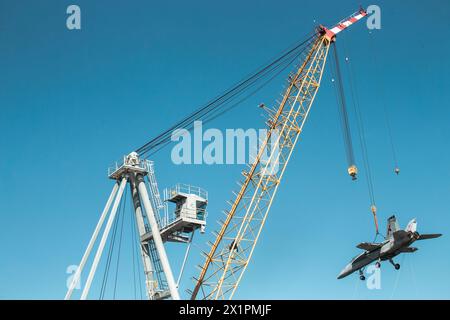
<point x="429" y="236"/>
<point x="368" y="246"/>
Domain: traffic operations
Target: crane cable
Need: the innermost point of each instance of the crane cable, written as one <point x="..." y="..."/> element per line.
<point x="134" y="253"/>
<point x="121" y="213"/>
<point x="109" y="256"/>
<point x="228" y="95"/>
<point x="120" y="246"/>
<point x="362" y="140"/>
<point x="220" y="112"/>
<point x="352" y="169"/>
<point x="383" y="103"/>
<point x="136" y="250"/>
<point x="345" y="125"/>
<point x="164" y="138"/>
<point x="132" y="242"/>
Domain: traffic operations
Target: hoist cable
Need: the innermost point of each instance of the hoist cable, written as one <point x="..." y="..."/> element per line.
<point x="383" y="103"/>
<point x="362" y="139"/>
<point x="219" y="102"/>
<point x="282" y="68"/>
<point x="218" y="99"/>
<point x="343" y="114"/>
<point x="120" y="245"/>
<point x="213" y="116"/>
<point x="135" y="241"/>
<point x="226" y="96"/>
<point x="110" y="253"/>
<point x="132" y="242"/>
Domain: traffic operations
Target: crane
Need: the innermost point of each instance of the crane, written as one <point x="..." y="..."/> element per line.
<point x="230" y="253"/>
<point x="235" y="242"/>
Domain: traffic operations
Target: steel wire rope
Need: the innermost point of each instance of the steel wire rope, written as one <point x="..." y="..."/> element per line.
<point x="111" y="247"/>
<point x="362" y="138"/>
<point x="224" y="100"/>
<point x="220" y="100"/>
<point x="256" y="74"/>
<point x="214" y="116"/>
<point x="343" y="114"/>
<point x="110" y="251"/>
<point x="120" y="246"/>
<point x="135" y="241"/>
<point x="383" y="103"/>
<point x="132" y="242"/>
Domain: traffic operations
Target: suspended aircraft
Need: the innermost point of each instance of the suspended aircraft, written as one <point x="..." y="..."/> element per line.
<point x="397" y="241"/>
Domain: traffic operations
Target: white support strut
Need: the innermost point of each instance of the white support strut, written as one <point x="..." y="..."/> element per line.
<point x="188" y="249"/>
<point x="146" y="262"/>
<point x="101" y="246"/>
<point x="157" y="238"/>
<point x="76" y="277"/>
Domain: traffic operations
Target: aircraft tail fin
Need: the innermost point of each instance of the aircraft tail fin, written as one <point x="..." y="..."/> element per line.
<point x="412" y="226"/>
<point x="392" y="227"/>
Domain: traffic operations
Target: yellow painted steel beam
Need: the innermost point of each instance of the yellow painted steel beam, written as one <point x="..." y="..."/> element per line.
<point x="233" y="247"/>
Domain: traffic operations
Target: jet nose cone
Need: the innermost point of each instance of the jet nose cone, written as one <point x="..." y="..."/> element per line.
<point x="345" y="272"/>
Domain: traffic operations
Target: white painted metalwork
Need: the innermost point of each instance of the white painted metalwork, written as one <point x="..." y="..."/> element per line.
<point x="76" y="277"/>
<point x="185" y="258"/>
<point x="157" y="238"/>
<point x="159" y="279"/>
<point x="103" y="239"/>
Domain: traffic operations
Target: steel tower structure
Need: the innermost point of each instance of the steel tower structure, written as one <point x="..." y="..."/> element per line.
<point x="233" y="247"/>
<point x="153" y="230"/>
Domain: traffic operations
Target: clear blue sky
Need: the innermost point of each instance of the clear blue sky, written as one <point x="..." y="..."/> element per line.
<point x="72" y="102"/>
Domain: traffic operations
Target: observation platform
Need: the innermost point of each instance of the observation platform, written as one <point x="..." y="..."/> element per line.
<point x="188" y="216"/>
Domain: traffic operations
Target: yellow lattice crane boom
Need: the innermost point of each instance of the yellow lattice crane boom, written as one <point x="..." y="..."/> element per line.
<point x="233" y="247"/>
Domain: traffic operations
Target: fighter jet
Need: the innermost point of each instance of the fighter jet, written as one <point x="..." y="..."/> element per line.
<point x="397" y="241"/>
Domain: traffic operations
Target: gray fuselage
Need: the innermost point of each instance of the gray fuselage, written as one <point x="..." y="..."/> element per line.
<point x="387" y="250"/>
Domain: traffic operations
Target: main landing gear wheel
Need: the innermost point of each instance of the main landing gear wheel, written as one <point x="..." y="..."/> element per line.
<point x="396" y="265"/>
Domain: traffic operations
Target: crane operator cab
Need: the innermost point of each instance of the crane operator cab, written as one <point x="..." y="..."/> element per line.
<point x="189" y="213"/>
<point x="189" y="205"/>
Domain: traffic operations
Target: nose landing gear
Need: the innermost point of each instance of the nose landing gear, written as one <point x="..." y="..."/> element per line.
<point x="361" y="276"/>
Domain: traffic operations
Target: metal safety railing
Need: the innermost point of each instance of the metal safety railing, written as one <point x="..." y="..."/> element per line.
<point x="142" y="164"/>
<point x="186" y="189"/>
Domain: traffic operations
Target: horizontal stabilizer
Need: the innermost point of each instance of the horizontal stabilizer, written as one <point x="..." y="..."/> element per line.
<point x="429" y="236"/>
<point x="408" y="249"/>
<point x="368" y="246"/>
